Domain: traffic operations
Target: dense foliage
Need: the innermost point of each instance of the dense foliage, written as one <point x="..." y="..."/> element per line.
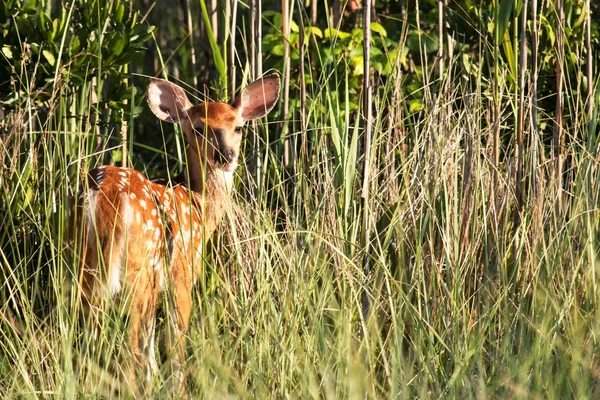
<point x="483" y="216"/>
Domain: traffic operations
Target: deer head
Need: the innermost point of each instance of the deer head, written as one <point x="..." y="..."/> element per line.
<point x="213" y="130"/>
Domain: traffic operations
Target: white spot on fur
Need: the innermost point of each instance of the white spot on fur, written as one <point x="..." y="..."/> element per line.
<point x="127" y="212"/>
<point x="148" y="226"/>
<point x="114" y="285"/>
<point x="197" y="255"/>
<point x="161" y="275"/>
<point x="143" y="204"/>
<point x="89" y="205"/>
<point x="114" y="279"/>
<point x="187" y="237"/>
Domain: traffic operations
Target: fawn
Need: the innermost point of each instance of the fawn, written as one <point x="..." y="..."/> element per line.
<point x="142" y="238"/>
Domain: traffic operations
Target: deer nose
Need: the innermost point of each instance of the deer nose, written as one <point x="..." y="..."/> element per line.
<point x="225" y="156"/>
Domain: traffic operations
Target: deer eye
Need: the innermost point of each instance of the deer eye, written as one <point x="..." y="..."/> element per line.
<point x="238" y="129"/>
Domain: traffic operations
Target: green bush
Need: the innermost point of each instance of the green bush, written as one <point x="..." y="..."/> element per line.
<point x="46" y="49"/>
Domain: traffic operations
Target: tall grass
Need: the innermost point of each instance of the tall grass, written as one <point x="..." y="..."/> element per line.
<point x="464" y="302"/>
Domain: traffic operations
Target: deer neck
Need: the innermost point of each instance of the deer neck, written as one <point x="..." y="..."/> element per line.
<point x="205" y="180"/>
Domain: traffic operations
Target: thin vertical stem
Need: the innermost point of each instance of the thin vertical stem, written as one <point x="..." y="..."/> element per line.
<point x="521" y="122"/>
<point x="588" y="45"/>
<point x="440" y="54"/>
<point x="254" y="21"/>
<point x="367" y="123"/>
<point x="253" y="12"/>
<point x="559" y="137"/>
<point x="190" y="28"/>
<point x="124" y="126"/>
<point x="285" y="13"/>
<point x="496" y="99"/>
<point x="449" y="43"/>
<point x="214" y="18"/>
<point x="258" y="38"/>
<point x="534" y="82"/>
<point x="303" y="162"/>
<point x="302" y="84"/>
<point x="590" y="112"/>
<point x="234" y="4"/>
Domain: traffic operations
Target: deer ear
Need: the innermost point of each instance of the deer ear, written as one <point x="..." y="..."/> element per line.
<point x="258" y="98"/>
<point x="168" y="101"/>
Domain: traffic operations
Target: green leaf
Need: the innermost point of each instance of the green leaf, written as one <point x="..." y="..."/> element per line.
<point x="315" y="31"/>
<point x="115" y="105"/>
<point x="29" y="7"/>
<point x="415" y="106"/>
<point x="294" y="27"/>
<point x="350" y="167"/>
<point x="45" y="25"/>
<point x="55" y="27"/>
<point x="506" y="7"/>
<point x="119" y="11"/>
<point x="217" y="57"/>
<point x="511" y="57"/>
<point x="331" y="32"/>
<point x="117" y="44"/>
<point x="277" y="50"/>
<point x="359" y="65"/>
<point x="549" y="30"/>
<point x="6" y="50"/>
<point x="404" y="57"/>
<point x="49" y="57"/>
<point x="141" y="33"/>
<point x="466" y="62"/>
<point x="27" y="198"/>
<point x="75" y="44"/>
<point x="356" y="52"/>
<point x="375" y="51"/>
<point x="376" y="27"/>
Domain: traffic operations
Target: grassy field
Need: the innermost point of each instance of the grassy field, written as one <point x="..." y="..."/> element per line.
<point x="479" y="286"/>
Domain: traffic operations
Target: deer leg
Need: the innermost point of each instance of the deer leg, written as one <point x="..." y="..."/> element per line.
<point x="148" y="327"/>
<point x="89" y="297"/>
<point x="142" y="322"/>
<point x="150" y="349"/>
<point x="92" y="277"/>
<point x="179" y="306"/>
